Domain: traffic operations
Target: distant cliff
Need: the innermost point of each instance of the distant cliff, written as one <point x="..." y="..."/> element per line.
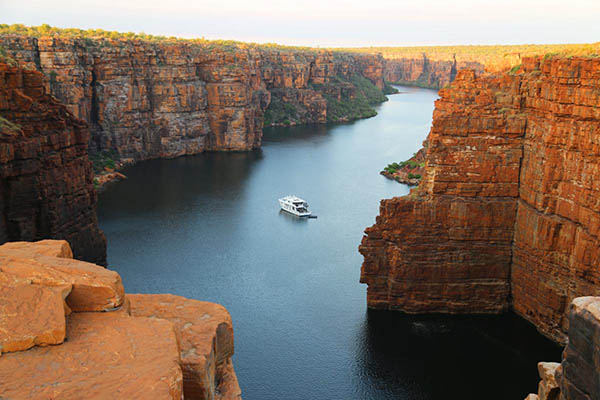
<point x="148" y="99"/>
<point x="46" y="186"/>
<point x="436" y="66"/>
<point x="423" y="72"/>
<point x="508" y="212"/>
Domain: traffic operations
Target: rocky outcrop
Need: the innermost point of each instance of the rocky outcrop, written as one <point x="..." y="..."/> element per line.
<point x="578" y="376"/>
<point x="205" y="336"/>
<point x="46" y="188"/>
<point x="141" y="346"/>
<point x="145" y="99"/>
<point x="408" y="172"/>
<point x="507" y="214"/>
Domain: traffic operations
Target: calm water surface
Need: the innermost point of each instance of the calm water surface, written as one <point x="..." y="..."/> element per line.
<point x="208" y="227"/>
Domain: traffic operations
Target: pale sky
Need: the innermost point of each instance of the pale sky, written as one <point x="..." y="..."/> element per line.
<point x="327" y="22"/>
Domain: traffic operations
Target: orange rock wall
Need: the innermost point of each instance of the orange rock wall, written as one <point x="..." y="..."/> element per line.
<point x="46" y="188"/>
<point x="508" y="213"/>
<point x="147" y="100"/>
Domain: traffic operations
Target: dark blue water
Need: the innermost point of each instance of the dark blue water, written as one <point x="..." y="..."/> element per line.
<point x="208" y="227"/>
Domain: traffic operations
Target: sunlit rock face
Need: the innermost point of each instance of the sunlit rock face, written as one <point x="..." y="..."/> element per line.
<point x="508" y="212"/>
<point x="46" y="188"/>
<point x="68" y="330"/>
<point x="146" y="99"/>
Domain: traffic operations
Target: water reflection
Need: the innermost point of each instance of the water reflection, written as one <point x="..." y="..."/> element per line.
<point x="292" y="218"/>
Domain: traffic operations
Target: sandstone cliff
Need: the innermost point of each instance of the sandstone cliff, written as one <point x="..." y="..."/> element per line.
<point x="149" y="99"/>
<point x="68" y="330"/>
<point x="508" y="212"/>
<point x="46" y="186"/>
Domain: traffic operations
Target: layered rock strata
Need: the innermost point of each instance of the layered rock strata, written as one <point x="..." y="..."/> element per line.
<point x="46" y="188"/>
<point x="145" y="99"/>
<point x="141" y="346"/>
<point x="507" y="214"/>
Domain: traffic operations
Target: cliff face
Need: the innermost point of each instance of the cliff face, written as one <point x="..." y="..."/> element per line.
<point x="425" y="72"/>
<point x="507" y="213"/>
<point x="319" y="88"/>
<point x="88" y="339"/>
<point x="146" y="99"/>
<point x="46" y="186"/>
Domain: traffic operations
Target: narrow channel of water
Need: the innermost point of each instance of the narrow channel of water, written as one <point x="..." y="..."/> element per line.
<point x="208" y="227"/>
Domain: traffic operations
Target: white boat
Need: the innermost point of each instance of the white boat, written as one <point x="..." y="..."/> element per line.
<point x="295" y="205"/>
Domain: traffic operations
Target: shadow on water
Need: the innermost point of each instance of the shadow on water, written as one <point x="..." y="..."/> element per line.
<point x="224" y="175"/>
<point x="410" y="357"/>
<point x="294" y="134"/>
<point x="292" y="218"/>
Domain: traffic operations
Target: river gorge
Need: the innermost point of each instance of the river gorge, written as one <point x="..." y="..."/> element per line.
<point x="467" y="281"/>
<point x="291" y="285"/>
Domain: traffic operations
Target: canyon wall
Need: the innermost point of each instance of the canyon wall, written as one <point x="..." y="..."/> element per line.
<point x="46" y="188"/>
<point x="425" y="72"/>
<point x="69" y="330"/>
<point x="145" y="99"/>
<point x="309" y="87"/>
<point x="508" y="212"/>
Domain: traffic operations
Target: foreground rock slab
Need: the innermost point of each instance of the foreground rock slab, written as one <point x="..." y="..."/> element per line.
<point x="205" y="335"/>
<point x="94" y="288"/>
<point x="31" y="315"/>
<point x="107" y="356"/>
<point x="125" y="347"/>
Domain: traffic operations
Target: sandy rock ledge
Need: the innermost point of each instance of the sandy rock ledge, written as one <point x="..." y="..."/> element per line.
<point x="68" y="330"/>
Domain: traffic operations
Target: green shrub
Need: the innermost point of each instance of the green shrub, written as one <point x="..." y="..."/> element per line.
<point x="8" y="126"/>
<point x="103" y="159"/>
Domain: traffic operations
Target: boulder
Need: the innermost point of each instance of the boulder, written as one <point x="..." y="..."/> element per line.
<point x="548" y="388"/>
<point x="206" y="339"/>
<point x="94" y="288"/>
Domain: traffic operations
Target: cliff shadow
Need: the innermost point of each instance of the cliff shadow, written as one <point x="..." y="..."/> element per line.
<point x="404" y="356"/>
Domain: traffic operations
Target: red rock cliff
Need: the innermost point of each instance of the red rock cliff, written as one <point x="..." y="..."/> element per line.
<point x="508" y="213"/>
<point x="46" y="186"/>
<point x="145" y="99"/>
